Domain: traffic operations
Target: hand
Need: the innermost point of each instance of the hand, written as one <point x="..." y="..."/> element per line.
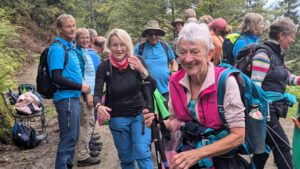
<point x="185" y="160"/>
<point x="85" y="88"/>
<point x="297" y="123"/>
<point x="89" y="101"/>
<point x="103" y="112"/>
<point x="135" y="63"/>
<point x="148" y="117"/>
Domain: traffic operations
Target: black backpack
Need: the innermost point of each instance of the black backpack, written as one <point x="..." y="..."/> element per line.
<point x="227" y="47"/>
<point x="245" y="57"/>
<point x="26" y="137"/>
<point x="44" y="84"/>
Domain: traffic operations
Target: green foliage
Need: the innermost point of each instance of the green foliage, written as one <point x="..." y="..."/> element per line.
<point x="9" y="62"/>
<point x="295" y="90"/>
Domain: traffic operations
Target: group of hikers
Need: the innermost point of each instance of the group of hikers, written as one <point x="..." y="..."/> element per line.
<point x="103" y="79"/>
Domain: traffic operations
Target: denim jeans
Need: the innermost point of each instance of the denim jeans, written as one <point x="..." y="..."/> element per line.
<point x="68" y="111"/>
<point x="130" y="142"/>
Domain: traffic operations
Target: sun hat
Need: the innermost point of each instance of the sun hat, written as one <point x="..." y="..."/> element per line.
<point x="153" y="25"/>
<point x="177" y="20"/>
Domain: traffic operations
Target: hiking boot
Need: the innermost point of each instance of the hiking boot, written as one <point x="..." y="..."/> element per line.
<point x="94" y="153"/>
<point x="89" y="161"/>
<point x="69" y="165"/>
<point x="94" y="147"/>
<point x="99" y="144"/>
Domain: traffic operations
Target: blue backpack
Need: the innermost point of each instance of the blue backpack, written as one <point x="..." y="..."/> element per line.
<point x="256" y="109"/>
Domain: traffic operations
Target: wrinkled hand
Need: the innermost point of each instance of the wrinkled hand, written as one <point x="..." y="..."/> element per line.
<point x="148" y="117"/>
<point x="85" y="88"/>
<point x="136" y="64"/>
<point x="103" y="112"/>
<point x="185" y="160"/>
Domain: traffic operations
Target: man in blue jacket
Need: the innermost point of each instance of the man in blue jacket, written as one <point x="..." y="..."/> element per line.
<point x="65" y="71"/>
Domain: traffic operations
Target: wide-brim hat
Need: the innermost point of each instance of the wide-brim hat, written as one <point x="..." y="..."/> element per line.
<point x="153" y="25"/>
<point x="177" y="20"/>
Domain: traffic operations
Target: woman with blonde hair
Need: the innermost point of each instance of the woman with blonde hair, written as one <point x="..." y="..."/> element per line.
<point x="124" y="101"/>
<point x="250" y="29"/>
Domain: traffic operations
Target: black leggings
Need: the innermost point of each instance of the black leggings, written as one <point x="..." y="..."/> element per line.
<point x="261" y="159"/>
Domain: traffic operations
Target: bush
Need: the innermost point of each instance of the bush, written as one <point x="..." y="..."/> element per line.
<point x="9" y="62"/>
<point x="295" y="90"/>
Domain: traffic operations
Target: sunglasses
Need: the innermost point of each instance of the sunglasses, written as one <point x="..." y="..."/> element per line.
<point x="152" y="33"/>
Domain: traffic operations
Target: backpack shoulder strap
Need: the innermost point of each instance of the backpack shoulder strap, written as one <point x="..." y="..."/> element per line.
<point x="141" y="48"/>
<point x="66" y="51"/>
<point x="164" y="45"/>
<point x="221" y="89"/>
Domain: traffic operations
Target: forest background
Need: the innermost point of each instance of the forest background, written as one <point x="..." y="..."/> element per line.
<point x="37" y="17"/>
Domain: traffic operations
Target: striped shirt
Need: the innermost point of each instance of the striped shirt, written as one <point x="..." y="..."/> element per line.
<point x="261" y="66"/>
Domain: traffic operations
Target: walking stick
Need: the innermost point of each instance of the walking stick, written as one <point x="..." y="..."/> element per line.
<point x="155" y="132"/>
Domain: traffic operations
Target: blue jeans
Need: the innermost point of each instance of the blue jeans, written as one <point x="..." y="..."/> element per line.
<point x="130" y="142"/>
<point x="68" y="111"/>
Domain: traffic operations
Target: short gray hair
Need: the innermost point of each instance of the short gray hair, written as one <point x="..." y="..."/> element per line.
<point x="190" y="13"/>
<point x="250" y="22"/>
<point x="92" y="33"/>
<point x="81" y="31"/>
<point x="123" y="36"/>
<point x="62" y="18"/>
<point x="283" y="25"/>
<point x="197" y="33"/>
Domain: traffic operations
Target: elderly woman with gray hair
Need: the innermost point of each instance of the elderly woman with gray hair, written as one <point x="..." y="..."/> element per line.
<point x="193" y="104"/>
<point x="269" y="71"/>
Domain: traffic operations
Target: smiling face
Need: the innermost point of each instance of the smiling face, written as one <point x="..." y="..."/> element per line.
<point x="68" y="29"/>
<point x="83" y="40"/>
<point x="286" y="41"/>
<point x="193" y="57"/>
<point x="117" y="47"/>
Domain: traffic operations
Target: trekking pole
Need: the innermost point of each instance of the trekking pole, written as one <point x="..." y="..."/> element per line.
<point x="155" y="134"/>
<point x="278" y="136"/>
<point x="285" y="161"/>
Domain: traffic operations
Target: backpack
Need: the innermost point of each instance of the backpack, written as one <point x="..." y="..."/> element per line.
<point x="44" y="84"/>
<point x="227" y="47"/>
<point x="245" y="57"/>
<point x="163" y="44"/>
<point x="256" y="109"/>
<point x="26" y="137"/>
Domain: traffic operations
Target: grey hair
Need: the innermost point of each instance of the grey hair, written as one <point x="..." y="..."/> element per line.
<point x="81" y="31"/>
<point x="250" y="22"/>
<point x="283" y="25"/>
<point x="196" y="33"/>
<point x="92" y="33"/>
<point x="190" y="13"/>
<point x="123" y="36"/>
<point x="62" y="18"/>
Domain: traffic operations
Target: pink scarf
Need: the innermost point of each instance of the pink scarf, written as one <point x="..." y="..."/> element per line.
<point x="120" y="65"/>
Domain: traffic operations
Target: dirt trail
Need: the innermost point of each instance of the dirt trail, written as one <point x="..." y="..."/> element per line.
<point x="43" y="156"/>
